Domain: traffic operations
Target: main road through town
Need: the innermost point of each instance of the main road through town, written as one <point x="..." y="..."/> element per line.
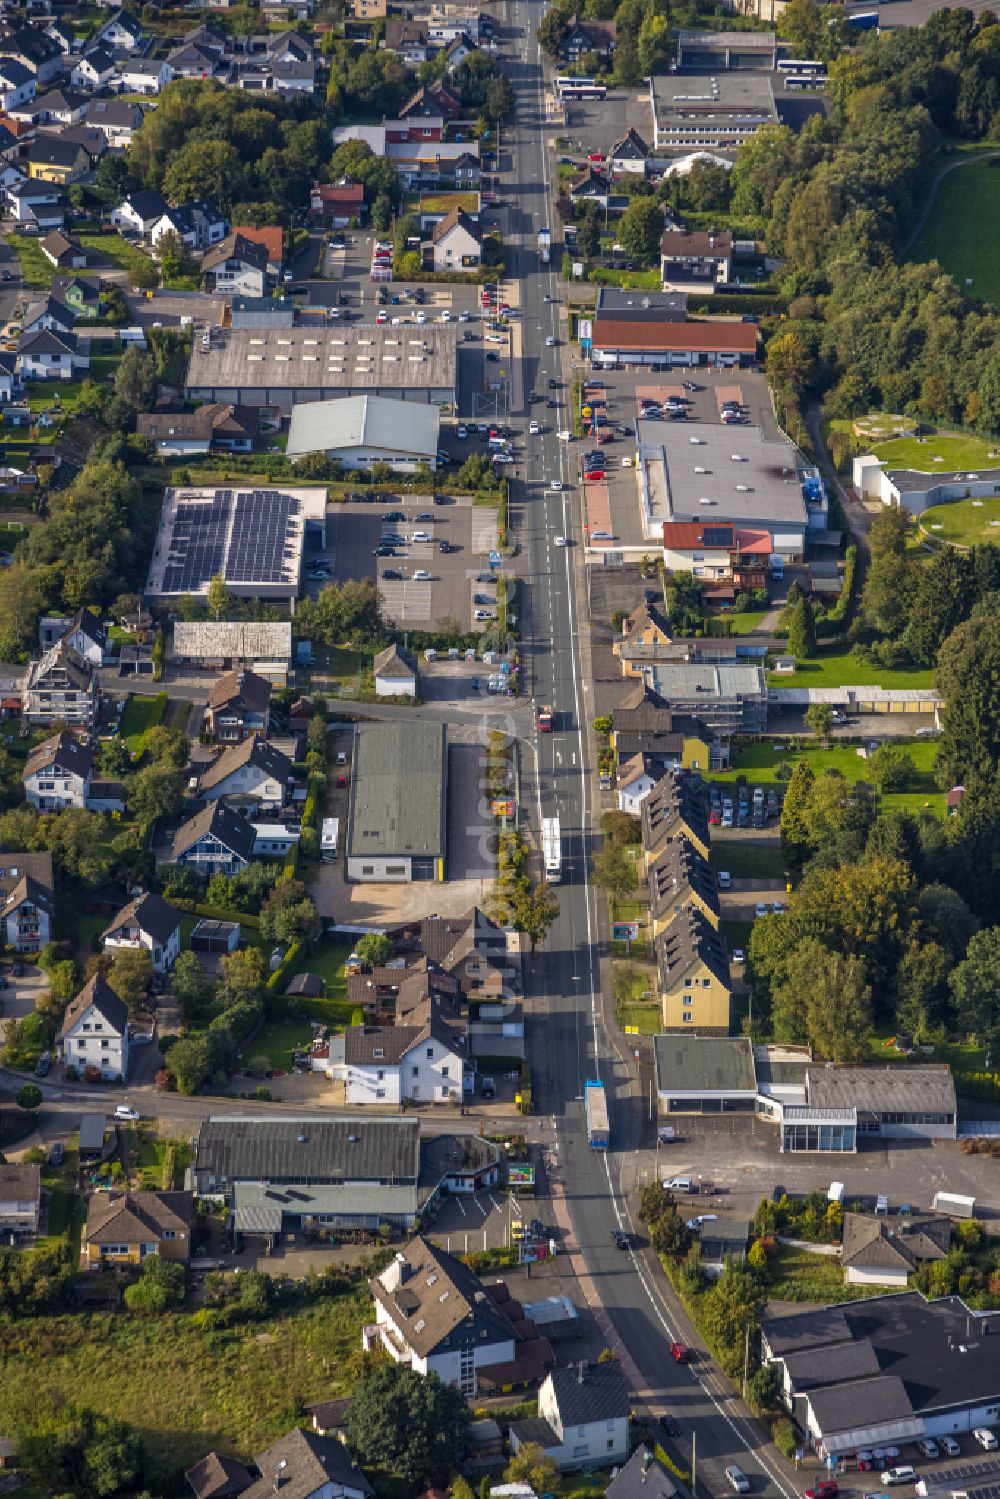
<point x="572" y="1042"/>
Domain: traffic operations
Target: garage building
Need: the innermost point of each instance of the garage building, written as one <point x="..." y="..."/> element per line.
<point x="285" y="367"/>
<point x="358" y="431"/>
<point x="717" y="51"/>
<point x="397" y="817"/>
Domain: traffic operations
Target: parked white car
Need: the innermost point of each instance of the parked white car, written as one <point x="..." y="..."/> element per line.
<point x="127" y="1114"/>
<point x="565" y="437"/>
<point x="986" y="1438"/>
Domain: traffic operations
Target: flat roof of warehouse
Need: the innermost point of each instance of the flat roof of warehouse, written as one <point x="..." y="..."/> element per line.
<point x="376" y="355"/>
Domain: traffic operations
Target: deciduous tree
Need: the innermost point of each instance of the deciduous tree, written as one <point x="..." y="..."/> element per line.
<point x="409" y="1423"/>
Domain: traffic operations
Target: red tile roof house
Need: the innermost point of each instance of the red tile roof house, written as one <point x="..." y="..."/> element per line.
<point x="337" y="203"/>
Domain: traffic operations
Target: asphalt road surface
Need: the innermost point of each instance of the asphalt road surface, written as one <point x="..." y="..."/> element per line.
<point x="574" y="1043"/>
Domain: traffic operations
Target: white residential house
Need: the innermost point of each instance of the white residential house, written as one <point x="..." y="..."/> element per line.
<point x="94" y="1031"/>
<point x="17" y="83"/>
<point x="94" y="70"/>
<point x="122" y="32"/>
<point x="586" y="1409"/>
<point x="435" y="1314"/>
<point x="456" y="243"/>
<point x="27" y="900"/>
<point x="149" y="922"/>
<point x="83" y="631"/>
<point x="635" y="780"/>
<point x="116" y="119"/>
<point x="253" y="771"/>
<point x="144" y="76"/>
<point x="60" y="687"/>
<point x="52" y="356"/>
<point x="58" y="773"/>
<point x="199" y="225"/>
<point x="386" y="1065"/>
<point x="140" y="210"/>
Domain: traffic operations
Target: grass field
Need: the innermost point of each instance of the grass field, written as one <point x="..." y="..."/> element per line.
<point x="759" y="762"/>
<point x="745" y="624"/>
<point x="944" y="451"/>
<point x="965" y="217"/>
<point x="800" y="1275"/>
<point x="327" y="961"/>
<point x="960" y="1056"/>
<point x="841" y="669"/>
<point x="964" y="522"/>
<point x="119" y="252"/>
<point x="187" y="1387"/>
<point x="746" y="860"/>
<point x="141" y="713"/>
<point x="278" y="1040"/>
<point x="36" y="270"/>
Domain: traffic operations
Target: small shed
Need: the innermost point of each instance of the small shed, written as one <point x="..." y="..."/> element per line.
<point x="92" y="1129"/>
<point x="215" y="936"/>
<point x="307" y="985"/>
<point x="395" y="673"/>
<point x="784" y="664"/>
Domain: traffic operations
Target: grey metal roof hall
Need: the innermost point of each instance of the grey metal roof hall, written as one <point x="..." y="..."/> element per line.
<point x="398" y="790"/>
<point x="407" y="428"/>
<point x="258" y="1149"/>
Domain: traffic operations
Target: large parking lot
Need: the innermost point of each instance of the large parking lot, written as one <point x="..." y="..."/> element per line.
<point x="420" y="584"/>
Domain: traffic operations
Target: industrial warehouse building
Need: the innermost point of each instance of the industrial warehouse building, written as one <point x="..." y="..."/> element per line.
<point x="284" y="367"/>
<point x="816" y="1108"/>
<point x="253" y="538"/>
<point x="889" y="1370"/>
<point x="398" y="811"/>
<point x="358" y="431"/>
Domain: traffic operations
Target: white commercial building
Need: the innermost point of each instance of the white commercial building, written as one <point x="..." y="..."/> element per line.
<point x="359" y="431"/>
<point x="915" y="491"/>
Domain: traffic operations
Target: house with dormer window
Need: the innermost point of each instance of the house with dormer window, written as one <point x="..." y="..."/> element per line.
<point x="94" y="1032"/>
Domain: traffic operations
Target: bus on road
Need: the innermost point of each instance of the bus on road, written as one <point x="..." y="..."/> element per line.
<point x="580" y="88"/>
<point x="595" y="1106"/>
<point x="552" y="850"/>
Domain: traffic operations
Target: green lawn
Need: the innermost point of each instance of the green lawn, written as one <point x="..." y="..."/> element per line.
<point x="36" y="270"/>
<point x="745" y="624"/>
<point x="340" y="665"/>
<point x="277" y="1040"/>
<point x="964" y="521"/>
<point x="119" y="252"/>
<point x="646" y="1018"/>
<point x="799" y="1275"/>
<point x="759" y="763"/>
<point x="327" y="961"/>
<point x="736" y="933"/>
<point x="104" y="366"/>
<point x="965" y="217"/>
<point x="955" y="450"/>
<point x="746" y="860"/>
<point x="188" y="1387"/>
<point x="837" y="668"/>
<point x="960" y="1056"/>
<point x="84" y="926"/>
<point x="141" y="713"/>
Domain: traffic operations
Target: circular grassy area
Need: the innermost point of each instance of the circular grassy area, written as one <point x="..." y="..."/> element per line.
<point x="964" y="522"/>
<point x="880" y="426"/>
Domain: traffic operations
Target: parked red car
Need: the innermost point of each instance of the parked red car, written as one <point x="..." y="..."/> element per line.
<point x="827" y="1489"/>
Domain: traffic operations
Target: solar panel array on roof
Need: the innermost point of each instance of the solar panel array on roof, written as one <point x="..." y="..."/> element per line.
<point x="718" y="536"/>
<point x="197" y="544"/>
<point x="261" y="550"/>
